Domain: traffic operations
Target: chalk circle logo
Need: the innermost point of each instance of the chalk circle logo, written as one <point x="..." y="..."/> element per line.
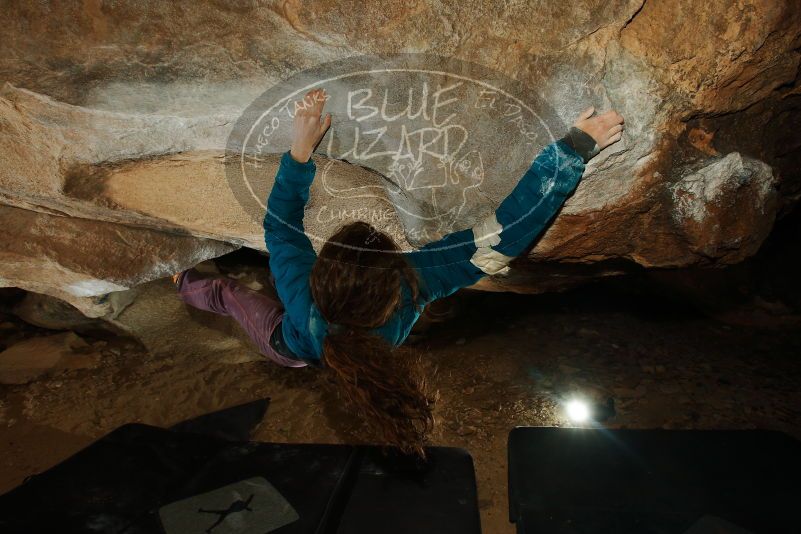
<point x="420" y="145"/>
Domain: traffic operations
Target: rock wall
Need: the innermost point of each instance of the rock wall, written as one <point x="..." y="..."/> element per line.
<point x="115" y="116"/>
<point x="81" y="260"/>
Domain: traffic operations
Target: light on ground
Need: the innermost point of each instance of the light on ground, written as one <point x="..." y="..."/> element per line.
<point x="577" y="411"/>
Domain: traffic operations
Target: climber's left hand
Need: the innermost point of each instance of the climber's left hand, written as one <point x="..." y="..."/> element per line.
<point x="605" y="129"/>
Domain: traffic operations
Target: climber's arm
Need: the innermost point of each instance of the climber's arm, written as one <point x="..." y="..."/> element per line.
<point x="291" y="252"/>
<point x="462" y="258"/>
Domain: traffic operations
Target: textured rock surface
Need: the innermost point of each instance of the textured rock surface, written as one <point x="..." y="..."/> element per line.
<point x="35" y="357"/>
<point x="116" y="117"/>
<point x="48" y="312"/>
<point x="78" y="259"/>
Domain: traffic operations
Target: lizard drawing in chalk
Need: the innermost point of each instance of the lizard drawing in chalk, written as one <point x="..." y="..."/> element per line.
<point x="235" y="507"/>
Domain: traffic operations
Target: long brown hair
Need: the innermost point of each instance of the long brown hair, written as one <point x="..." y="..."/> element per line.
<point x="356" y="283"/>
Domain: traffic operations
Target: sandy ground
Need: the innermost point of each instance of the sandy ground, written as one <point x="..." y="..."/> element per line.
<point x="504" y="361"/>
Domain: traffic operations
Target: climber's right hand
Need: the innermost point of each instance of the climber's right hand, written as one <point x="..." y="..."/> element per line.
<point x="605" y="129"/>
<point x="307" y="128"/>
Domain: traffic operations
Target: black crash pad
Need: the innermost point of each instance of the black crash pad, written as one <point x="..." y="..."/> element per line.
<point x="119" y="483"/>
<point x="233" y="424"/>
<point x="574" y="480"/>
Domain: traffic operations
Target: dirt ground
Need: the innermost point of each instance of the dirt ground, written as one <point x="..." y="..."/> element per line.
<point x="503" y="361"/>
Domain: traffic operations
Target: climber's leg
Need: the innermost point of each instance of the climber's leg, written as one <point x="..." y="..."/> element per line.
<point x="258" y="314"/>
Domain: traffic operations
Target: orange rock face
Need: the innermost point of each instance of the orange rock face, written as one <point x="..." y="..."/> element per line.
<point x="117" y="119"/>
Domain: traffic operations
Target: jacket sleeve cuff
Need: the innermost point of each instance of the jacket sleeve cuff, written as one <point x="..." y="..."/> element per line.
<point x="582" y="143"/>
<point x="295" y="170"/>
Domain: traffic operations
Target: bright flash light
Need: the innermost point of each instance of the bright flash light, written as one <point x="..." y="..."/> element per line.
<point x="577" y="411"/>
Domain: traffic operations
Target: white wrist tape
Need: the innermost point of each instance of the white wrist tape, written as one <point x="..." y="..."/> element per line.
<point x="486" y="234"/>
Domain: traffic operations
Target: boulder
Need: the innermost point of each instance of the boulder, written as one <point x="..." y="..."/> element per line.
<point x="127" y="124"/>
<point x="45" y="311"/>
<point x="39" y="356"/>
<point x="85" y="262"/>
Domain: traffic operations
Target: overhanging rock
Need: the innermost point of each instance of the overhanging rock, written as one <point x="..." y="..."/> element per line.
<point x="117" y="124"/>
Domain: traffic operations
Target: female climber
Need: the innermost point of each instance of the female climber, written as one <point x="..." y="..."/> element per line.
<point x="349" y="308"/>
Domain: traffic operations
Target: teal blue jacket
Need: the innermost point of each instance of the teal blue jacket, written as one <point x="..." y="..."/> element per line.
<point x="442" y="266"/>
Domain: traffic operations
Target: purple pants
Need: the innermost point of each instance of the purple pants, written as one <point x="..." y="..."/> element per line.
<point x="257" y="313"/>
